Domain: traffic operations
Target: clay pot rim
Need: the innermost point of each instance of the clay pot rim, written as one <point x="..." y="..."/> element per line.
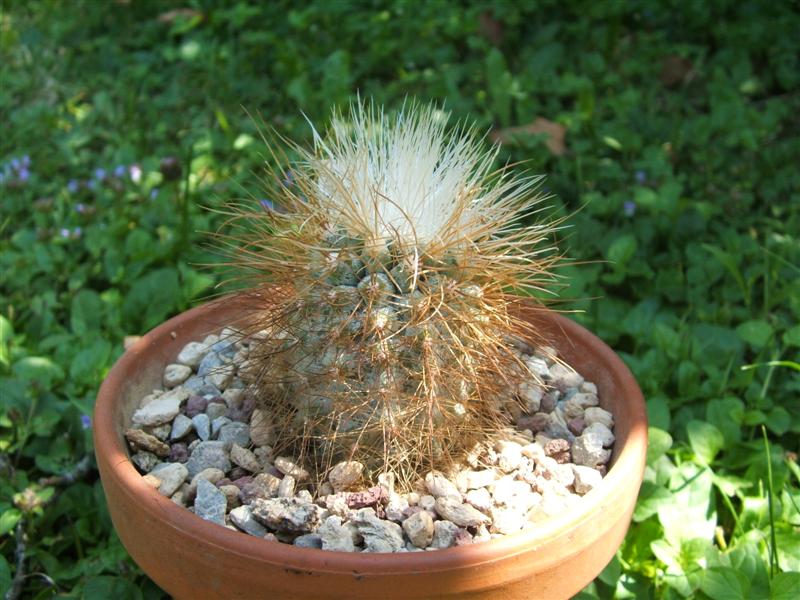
<point x="629" y="462"/>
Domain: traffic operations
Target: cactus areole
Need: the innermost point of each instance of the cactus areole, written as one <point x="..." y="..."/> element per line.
<point x="382" y="277"/>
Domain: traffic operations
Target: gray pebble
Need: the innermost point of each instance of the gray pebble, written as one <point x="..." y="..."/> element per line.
<point x="202" y="426"/>
<point x="210" y="503"/>
<point x="236" y="433"/>
<point x="144" y="461"/>
<point x="242" y="517"/>
<point x="335" y="536"/>
<point x="309" y="540"/>
<point x="444" y="534"/>
<point x="209" y="454"/>
<point x="379" y="535"/>
<point x="181" y="426"/>
<point x="217" y="424"/>
<point x="171" y="476"/>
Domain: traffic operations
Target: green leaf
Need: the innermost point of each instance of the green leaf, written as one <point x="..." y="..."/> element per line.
<point x="658" y="442"/>
<point x="8" y="520"/>
<point x="785" y="586"/>
<point x="38" y="369"/>
<point x="5" y="576"/>
<point x="87" y="364"/>
<point x="86" y="313"/>
<point x="731" y="264"/>
<point x="791" y="337"/>
<point x="6" y="335"/>
<point x="756" y="333"/>
<point x="622" y="250"/>
<point x="690" y="514"/>
<point x="106" y="586"/>
<point x="779" y="420"/>
<point x="152" y="298"/>
<point x="705" y="439"/>
<point x="726" y="414"/>
<point x="658" y="412"/>
<point x="724" y="583"/>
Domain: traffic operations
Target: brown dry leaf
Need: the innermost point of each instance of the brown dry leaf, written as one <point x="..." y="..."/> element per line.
<point x="675" y="70"/>
<point x="170" y="16"/>
<point x="555" y="134"/>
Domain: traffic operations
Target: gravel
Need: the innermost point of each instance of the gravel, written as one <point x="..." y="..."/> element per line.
<point x="202" y="442"/>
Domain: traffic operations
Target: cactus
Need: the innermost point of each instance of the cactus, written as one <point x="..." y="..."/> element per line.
<point x="383" y="289"/>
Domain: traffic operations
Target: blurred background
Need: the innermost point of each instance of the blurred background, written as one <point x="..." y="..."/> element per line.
<point x="668" y="130"/>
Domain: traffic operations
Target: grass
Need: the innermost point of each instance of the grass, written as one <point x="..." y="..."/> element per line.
<point x="679" y="162"/>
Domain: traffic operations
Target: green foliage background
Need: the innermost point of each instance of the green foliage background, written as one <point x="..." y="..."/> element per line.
<point x="681" y="169"/>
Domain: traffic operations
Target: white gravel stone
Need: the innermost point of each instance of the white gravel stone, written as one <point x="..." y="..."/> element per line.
<point x="161" y="410"/>
<point x="176" y="374"/>
<point x="171" y="476"/>
<point x="463" y="515"/>
<point x="586" y="479"/>
<point x="603" y="433"/>
<point x="564" y="377"/>
<point x="233" y="397"/>
<point x="192" y="354"/>
<point x="287" y="515"/>
<point x="534" y="450"/>
<point x="336" y="536"/>
<point x="480" y="499"/>
<point x="427" y="502"/>
<point x="288" y="467"/>
<point x="242" y="517"/>
<point x="396" y="507"/>
<point x="587" y="450"/>
<point x="419" y="529"/>
<point x="345" y="474"/>
<point x="470" y="480"/>
<point x="221" y="376"/>
<point x="379" y="535"/>
<point x="506" y="521"/>
<point x="261" y="430"/>
<point x="509" y="455"/>
<point x="506" y="490"/>
<point x="440" y="486"/>
<point x="530" y="392"/>
<point x="286" y="487"/>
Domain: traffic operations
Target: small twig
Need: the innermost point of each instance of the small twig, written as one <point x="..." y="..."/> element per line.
<point x="19" y="576"/>
<point x="79" y="471"/>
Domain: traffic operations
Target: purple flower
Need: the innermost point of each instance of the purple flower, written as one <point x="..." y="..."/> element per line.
<point x="153" y="193"/>
<point x="641" y="176"/>
<point x="629" y="208"/>
<point x="77" y="232"/>
<point x="267" y="205"/>
<point x="24" y="174"/>
<point x="73" y="186"/>
<point x="99" y="174"/>
<point x="64" y="233"/>
<point x="135" y="172"/>
<point x="288" y="178"/>
<point x="15" y="164"/>
<point x="86" y="421"/>
<point x="119" y="171"/>
<point x="80" y="208"/>
<point x="26" y="161"/>
<point x="92" y="184"/>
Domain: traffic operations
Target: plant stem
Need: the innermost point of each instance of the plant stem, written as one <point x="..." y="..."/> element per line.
<point x="773" y="553"/>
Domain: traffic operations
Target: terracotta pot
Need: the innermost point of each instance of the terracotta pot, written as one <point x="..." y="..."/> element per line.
<point x="190" y="558"/>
